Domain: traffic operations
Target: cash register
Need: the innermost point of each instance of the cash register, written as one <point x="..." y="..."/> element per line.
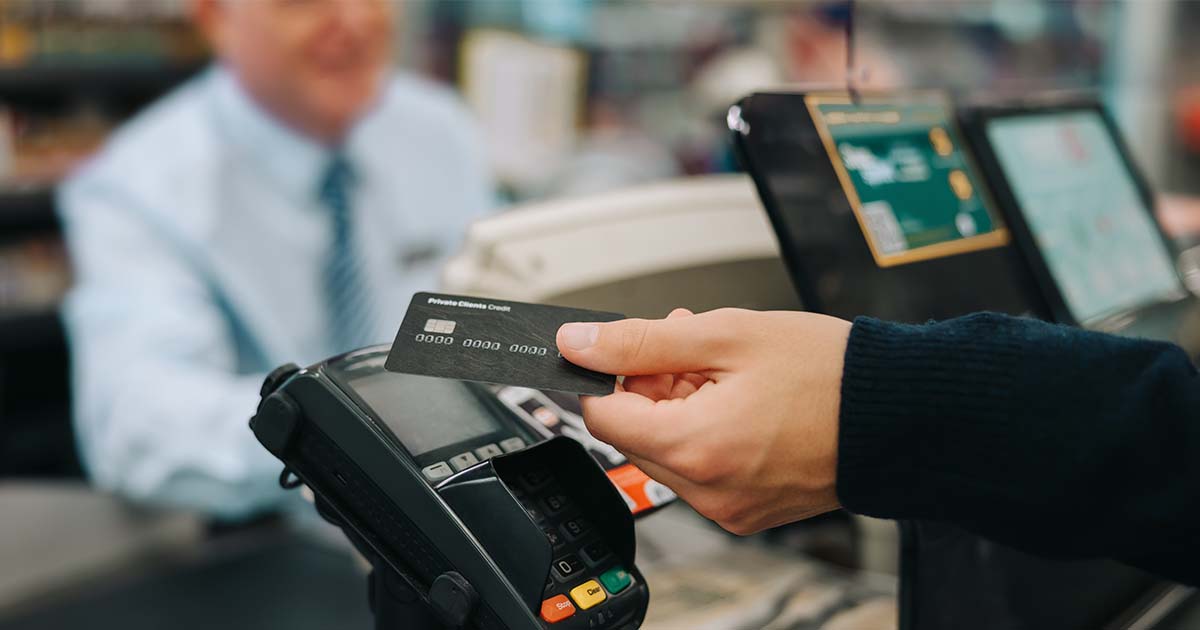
<point x="881" y="208"/>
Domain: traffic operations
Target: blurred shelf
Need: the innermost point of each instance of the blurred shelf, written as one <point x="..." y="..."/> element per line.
<point x="59" y="80"/>
<point x="34" y="328"/>
<point x="26" y="210"/>
<point x="39" y="442"/>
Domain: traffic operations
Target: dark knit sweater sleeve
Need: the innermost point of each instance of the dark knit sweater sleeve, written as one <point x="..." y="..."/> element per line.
<point x="1050" y="439"/>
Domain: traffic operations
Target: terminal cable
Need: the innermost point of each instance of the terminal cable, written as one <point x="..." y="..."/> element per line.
<point x="288" y="479"/>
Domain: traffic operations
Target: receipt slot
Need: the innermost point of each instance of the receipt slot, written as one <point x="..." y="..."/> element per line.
<point x="468" y="520"/>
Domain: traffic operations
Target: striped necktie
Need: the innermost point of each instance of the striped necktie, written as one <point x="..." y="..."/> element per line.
<point x="351" y="316"/>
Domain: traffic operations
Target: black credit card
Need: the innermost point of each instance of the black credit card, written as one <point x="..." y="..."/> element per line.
<point x="493" y="341"/>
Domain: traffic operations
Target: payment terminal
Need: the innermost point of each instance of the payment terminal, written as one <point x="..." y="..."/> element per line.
<point x="469" y="518"/>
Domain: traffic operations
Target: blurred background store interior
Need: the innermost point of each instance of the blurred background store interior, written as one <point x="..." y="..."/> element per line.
<point x="575" y="97"/>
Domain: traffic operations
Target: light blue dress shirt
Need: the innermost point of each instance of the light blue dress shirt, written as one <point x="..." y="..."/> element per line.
<point x="199" y="241"/>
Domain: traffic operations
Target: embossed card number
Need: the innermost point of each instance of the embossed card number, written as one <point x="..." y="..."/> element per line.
<point x="493" y="341"/>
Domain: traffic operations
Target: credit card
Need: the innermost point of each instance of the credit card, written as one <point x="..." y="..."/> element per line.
<point x="493" y="341"/>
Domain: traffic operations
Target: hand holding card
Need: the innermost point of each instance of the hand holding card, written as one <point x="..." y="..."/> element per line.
<point x="493" y="341"/>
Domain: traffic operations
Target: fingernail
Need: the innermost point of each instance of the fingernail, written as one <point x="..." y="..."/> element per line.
<point x="579" y="336"/>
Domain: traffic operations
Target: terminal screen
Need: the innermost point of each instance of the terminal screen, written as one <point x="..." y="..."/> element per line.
<point x="904" y="170"/>
<point x="1083" y="207"/>
<point x="424" y="413"/>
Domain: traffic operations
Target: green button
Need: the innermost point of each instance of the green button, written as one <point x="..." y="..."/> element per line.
<point x="616" y="580"/>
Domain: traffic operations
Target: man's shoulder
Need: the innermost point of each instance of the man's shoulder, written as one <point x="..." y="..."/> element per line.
<point x="158" y="167"/>
<point x="171" y="136"/>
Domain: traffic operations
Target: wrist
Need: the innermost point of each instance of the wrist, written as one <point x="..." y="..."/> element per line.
<point x="918" y="400"/>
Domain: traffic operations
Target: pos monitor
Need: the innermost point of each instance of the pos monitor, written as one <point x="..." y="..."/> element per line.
<point x="1083" y="216"/>
<point x="880" y="210"/>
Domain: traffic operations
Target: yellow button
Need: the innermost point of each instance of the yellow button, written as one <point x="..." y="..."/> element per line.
<point x="588" y="594"/>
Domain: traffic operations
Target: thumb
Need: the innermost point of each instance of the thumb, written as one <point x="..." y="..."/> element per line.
<point x="636" y="347"/>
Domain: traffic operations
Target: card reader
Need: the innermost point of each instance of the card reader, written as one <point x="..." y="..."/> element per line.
<point x="468" y="519"/>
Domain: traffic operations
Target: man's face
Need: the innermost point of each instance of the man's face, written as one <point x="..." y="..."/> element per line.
<point x="316" y="64"/>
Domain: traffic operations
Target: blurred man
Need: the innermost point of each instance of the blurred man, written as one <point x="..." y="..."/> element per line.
<point x="282" y="207"/>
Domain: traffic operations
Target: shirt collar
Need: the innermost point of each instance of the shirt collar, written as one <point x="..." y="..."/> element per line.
<point x="287" y="157"/>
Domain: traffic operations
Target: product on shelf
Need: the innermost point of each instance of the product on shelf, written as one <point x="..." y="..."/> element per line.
<point x="97" y="32"/>
<point x="34" y="274"/>
<point x="41" y="149"/>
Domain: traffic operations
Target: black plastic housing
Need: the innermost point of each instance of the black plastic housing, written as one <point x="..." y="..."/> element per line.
<point x="470" y="524"/>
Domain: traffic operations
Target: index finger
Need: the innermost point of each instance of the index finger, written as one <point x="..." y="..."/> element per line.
<point x="638" y="347"/>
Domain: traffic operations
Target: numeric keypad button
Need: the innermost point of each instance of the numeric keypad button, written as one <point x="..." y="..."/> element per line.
<point x="595" y="552"/>
<point x="535" y="479"/>
<point x="575" y="528"/>
<point x="567" y="567"/>
<point x="555" y="504"/>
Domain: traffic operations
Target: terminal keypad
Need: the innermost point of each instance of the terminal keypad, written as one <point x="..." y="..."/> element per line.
<point x="586" y="578"/>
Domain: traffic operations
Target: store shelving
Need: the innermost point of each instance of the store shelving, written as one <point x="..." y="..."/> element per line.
<point x="67" y="77"/>
<point x="26" y="210"/>
<point x="53" y="82"/>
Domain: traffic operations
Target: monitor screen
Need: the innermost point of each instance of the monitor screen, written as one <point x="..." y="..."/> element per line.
<point x="1091" y="225"/>
<point x="902" y="166"/>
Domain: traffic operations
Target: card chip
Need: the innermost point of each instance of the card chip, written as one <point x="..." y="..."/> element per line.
<point x="440" y="326"/>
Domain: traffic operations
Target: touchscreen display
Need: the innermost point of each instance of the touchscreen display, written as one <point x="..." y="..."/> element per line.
<point x="1084" y="210"/>
<point x="424" y="413"/>
<point x="901" y="162"/>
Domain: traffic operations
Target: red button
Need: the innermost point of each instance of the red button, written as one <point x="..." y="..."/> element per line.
<point x="557" y="608"/>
